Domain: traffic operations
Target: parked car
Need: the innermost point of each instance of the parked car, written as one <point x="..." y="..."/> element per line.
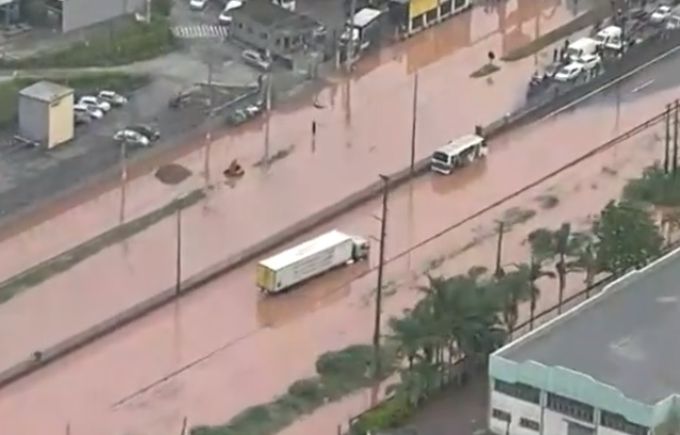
<point x="91" y="100"/>
<point x="590" y="61"/>
<point x="225" y="15"/>
<point x="198" y="5"/>
<point x="146" y="130"/>
<point x="660" y="14"/>
<point x="113" y="98"/>
<point x="91" y="111"/>
<point x="569" y="72"/>
<point x="673" y="22"/>
<point x="131" y="137"/>
<point x="256" y="59"/>
<point x="81" y="118"/>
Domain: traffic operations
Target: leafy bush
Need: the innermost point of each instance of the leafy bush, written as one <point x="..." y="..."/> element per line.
<point x="654" y="187"/>
<point x="389" y="414"/>
<point x="353" y="361"/>
<point x="140" y="41"/>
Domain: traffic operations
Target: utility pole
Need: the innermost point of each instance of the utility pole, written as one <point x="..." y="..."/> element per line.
<point x="184" y="426"/>
<point x="498" y="273"/>
<point x="381" y="263"/>
<point x="350" y="29"/>
<point x="667" y="140"/>
<point x="208" y="135"/>
<point x="675" y="137"/>
<point x="178" y="256"/>
<point x="268" y="106"/>
<point x="414" y="123"/>
<point x="123" y="178"/>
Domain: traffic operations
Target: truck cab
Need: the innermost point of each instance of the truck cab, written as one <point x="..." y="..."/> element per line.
<point x="360" y="249"/>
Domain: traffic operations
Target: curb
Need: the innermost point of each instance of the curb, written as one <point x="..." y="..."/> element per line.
<point x="350" y="202"/>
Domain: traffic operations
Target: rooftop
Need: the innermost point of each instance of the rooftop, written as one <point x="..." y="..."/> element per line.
<point x="275" y="17"/>
<point x="45" y="91"/>
<point x="626" y="337"/>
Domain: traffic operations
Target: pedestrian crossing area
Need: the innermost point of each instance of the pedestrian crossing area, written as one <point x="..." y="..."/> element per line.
<point x="205" y="31"/>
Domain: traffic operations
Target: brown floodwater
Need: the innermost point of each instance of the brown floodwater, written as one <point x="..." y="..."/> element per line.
<point x="226" y="347"/>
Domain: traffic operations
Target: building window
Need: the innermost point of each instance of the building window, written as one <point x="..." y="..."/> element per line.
<point x="518" y="390"/>
<point x="417" y="22"/>
<point x="529" y="424"/>
<point x="501" y="415"/>
<point x="618" y="422"/>
<point x="240" y="25"/>
<point x="445" y="7"/>
<point x="570" y="407"/>
<point x="431" y="16"/>
<point x="459" y="4"/>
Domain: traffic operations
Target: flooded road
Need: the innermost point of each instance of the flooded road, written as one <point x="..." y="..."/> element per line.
<point x="363" y="127"/>
<point x="233" y="218"/>
<point x="225" y="347"/>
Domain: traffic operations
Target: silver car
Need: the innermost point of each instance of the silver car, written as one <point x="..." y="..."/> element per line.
<point x="131" y="137"/>
<point x="254" y="58"/>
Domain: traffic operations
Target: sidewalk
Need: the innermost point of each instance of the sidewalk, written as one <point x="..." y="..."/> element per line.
<point x="363" y="130"/>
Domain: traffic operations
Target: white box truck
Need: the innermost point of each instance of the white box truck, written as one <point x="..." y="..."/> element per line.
<point x="309" y="259"/>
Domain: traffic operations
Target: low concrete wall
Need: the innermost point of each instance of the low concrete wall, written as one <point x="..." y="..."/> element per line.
<point x="73" y="343"/>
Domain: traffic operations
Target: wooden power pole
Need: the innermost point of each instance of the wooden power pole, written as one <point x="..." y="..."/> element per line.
<point x="381" y="264"/>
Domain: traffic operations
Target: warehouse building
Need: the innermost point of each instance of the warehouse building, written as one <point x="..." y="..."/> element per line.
<point x="609" y="366"/>
<point x="46" y="114"/>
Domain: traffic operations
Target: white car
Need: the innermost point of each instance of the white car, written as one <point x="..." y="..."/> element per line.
<point x="660" y="15"/>
<point x="198" y="5"/>
<point x="131" y="137"/>
<point x="225" y="15"/>
<point x="113" y="98"/>
<point x="91" y="111"/>
<point x="254" y="58"/>
<point x="590" y="61"/>
<point x="568" y="73"/>
<point x="90" y="100"/>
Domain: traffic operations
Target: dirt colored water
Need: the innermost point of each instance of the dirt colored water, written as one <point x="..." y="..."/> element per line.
<point x="225" y="347"/>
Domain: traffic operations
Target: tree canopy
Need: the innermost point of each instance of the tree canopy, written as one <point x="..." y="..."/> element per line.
<point x="626" y="237"/>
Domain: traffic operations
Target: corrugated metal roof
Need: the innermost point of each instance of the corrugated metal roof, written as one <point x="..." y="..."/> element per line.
<point x="46" y="91"/>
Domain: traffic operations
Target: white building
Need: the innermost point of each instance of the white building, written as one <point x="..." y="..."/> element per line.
<point x="609" y="366"/>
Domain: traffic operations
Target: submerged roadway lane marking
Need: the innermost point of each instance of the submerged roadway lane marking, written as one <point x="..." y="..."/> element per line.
<point x="642" y="86"/>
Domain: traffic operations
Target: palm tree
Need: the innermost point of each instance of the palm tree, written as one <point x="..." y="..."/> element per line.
<point x="562" y="245"/>
<point x="515" y="287"/>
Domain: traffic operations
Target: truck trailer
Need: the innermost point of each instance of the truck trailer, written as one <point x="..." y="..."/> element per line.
<point x="309" y="259"/>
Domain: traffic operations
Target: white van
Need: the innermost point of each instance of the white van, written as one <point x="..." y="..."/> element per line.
<point x="459" y="152"/>
<point x="610" y="37"/>
<point x="580" y="47"/>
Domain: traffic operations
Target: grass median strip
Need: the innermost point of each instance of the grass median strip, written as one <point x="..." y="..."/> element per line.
<point x="340" y="373"/>
<point x="63" y="262"/>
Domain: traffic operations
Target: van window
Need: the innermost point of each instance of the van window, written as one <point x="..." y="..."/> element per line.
<point x="440" y="156"/>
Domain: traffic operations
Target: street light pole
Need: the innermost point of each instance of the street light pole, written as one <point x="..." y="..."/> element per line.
<point x="675" y="137"/>
<point x="381" y="264"/>
<point x="178" y="256"/>
<point x="414" y="123"/>
<point x="667" y="140"/>
<point x="123" y="178"/>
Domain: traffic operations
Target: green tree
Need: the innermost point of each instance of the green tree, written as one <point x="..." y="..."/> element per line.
<point x="563" y="246"/>
<point x="626" y="237"/>
<point x="515" y="287"/>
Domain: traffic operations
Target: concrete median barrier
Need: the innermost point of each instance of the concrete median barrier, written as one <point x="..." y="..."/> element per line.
<point x="52" y="353"/>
